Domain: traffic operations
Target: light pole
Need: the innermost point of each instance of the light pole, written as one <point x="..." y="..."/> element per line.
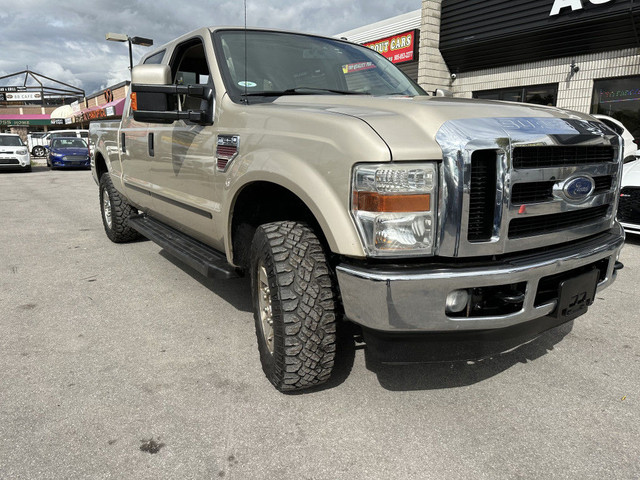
<point x="121" y="37"/>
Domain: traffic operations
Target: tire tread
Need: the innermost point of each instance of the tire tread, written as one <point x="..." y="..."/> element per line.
<point x="121" y="210"/>
<point x="305" y="292"/>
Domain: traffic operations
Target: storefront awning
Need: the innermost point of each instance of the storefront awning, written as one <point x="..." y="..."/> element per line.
<point x="111" y="109"/>
<point x="25" y="120"/>
<point x="64" y="111"/>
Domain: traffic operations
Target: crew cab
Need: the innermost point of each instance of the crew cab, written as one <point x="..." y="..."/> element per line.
<point x="351" y="196"/>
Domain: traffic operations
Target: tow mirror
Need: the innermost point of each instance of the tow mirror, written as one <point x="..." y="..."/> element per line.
<point x="155" y="100"/>
<point x="151" y="74"/>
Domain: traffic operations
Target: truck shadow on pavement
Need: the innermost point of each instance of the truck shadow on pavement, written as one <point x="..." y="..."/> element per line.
<point x="237" y="292"/>
<point x="632" y="239"/>
<point x="424" y="376"/>
<point x="431" y="376"/>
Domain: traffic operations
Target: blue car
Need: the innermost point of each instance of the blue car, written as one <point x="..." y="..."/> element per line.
<point x="68" y="152"/>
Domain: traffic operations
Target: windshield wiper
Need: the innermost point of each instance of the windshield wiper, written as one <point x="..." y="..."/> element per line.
<point x="302" y="91"/>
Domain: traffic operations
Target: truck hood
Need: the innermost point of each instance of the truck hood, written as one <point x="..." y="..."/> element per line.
<point x="409" y="125"/>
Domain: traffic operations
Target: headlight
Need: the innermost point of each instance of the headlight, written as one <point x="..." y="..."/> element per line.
<point x="394" y="206"/>
<point x="22" y="151"/>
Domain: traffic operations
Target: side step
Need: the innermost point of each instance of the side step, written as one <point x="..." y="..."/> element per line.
<point x="204" y="259"/>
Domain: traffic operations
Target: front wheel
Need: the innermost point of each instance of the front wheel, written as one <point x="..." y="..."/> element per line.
<point x="295" y="301"/>
<point x="115" y="213"/>
<point x="39" y="151"/>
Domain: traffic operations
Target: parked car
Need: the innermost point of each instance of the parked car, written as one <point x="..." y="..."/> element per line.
<point x="38" y="144"/>
<point x="629" y="205"/>
<point x="68" y="152"/>
<point x="34" y="140"/>
<point x="13" y="153"/>
<point x="630" y="146"/>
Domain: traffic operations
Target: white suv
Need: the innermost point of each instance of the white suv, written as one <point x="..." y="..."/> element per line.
<point x="13" y="153"/>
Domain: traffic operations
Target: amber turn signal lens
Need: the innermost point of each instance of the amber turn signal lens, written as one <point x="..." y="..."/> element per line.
<point x="134" y="101"/>
<point x="375" y="202"/>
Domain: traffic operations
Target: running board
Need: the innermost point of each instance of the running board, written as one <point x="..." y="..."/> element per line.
<point x="204" y="259"/>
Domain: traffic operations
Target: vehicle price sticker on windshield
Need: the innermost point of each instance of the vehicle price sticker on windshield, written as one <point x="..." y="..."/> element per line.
<point x="357" y="67"/>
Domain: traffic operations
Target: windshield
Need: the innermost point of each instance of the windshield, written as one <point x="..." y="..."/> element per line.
<point x="10" y="141"/>
<point x="292" y="64"/>
<point x="68" y="143"/>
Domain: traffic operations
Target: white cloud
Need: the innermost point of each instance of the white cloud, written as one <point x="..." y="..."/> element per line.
<point x="58" y="72"/>
<point x="70" y="46"/>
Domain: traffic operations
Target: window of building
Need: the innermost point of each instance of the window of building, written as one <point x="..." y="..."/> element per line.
<point x="619" y="98"/>
<point x="538" y="94"/>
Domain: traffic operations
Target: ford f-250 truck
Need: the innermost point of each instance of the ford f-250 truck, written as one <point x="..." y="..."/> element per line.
<point x="348" y="194"/>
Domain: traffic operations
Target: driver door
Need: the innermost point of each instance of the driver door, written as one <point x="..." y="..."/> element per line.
<point x="184" y="166"/>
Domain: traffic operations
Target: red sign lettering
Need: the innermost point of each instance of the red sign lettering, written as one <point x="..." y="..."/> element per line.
<point x="397" y="49"/>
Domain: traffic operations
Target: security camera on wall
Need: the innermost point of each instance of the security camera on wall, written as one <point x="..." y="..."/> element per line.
<point x="453" y="76"/>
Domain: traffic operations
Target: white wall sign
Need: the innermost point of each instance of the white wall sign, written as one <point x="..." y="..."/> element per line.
<point x="20" y="96"/>
<point x="559" y="5"/>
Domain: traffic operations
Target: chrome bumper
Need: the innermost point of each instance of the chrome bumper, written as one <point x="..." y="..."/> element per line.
<point x="398" y="299"/>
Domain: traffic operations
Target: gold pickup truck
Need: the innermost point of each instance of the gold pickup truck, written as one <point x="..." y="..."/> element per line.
<point x="351" y="196"/>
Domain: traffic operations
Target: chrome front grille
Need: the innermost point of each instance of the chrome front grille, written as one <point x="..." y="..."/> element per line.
<point x="536" y="192"/>
<point x="524" y="188"/>
<point x="561" y="156"/>
<point x="482" y="195"/>
<point x="555" y="222"/>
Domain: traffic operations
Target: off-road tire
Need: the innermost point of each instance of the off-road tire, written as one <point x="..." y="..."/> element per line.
<point x="303" y="304"/>
<point x="119" y="231"/>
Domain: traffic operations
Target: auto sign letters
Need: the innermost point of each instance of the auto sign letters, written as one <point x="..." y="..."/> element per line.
<point x="559" y="5"/>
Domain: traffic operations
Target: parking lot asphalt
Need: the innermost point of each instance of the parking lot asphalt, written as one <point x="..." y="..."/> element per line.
<point x="117" y="361"/>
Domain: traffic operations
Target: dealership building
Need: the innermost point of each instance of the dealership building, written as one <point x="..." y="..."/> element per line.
<point x="576" y="54"/>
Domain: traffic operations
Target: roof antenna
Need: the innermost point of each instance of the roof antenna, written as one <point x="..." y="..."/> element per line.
<point x="246" y="100"/>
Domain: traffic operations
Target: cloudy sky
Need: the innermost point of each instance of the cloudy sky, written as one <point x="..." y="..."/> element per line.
<point x="65" y="39"/>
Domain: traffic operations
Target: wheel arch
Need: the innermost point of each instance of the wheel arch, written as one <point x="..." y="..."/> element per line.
<point x="100" y="165"/>
<point x="260" y="201"/>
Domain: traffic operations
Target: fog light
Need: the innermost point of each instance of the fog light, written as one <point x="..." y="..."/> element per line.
<point x="457" y="301"/>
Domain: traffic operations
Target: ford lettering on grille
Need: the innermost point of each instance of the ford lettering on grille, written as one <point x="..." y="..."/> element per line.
<point x="578" y="188"/>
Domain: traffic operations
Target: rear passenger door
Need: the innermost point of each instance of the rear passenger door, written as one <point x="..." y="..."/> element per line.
<point x="136" y="163"/>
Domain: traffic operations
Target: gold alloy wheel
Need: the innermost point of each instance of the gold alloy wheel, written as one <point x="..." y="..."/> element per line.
<point x="106" y="208"/>
<point x="264" y="305"/>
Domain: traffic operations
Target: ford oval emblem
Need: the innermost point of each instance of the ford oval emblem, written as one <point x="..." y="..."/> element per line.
<point x="578" y="188"/>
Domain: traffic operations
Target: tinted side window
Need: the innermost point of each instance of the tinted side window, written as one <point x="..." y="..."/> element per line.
<point x="189" y="67"/>
<point x="156" y="58"/>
